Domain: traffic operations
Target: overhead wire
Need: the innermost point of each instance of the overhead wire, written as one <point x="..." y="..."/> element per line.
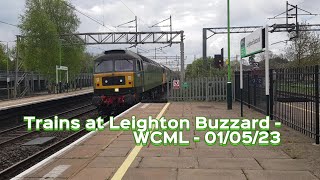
<point x="135" y="46"/>
<point x="91" y="18"/>
<point x="100" y="46"/>
<point x="286" y="41"/>
<point x="160" y="48"/>
<point x="300" y="2"/>
<point x="128" y="8"/>
<point x="133" y="12"/>
<point x="9" y="24"/>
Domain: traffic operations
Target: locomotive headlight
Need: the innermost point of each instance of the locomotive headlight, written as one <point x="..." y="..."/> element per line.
<point x="116" y="90"/>
<point x="97" y="80"/>
<point x="129" y="78"/>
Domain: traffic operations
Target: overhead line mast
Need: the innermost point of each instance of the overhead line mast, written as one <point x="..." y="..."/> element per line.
<point x="288" y="15"/>
<point x="136" y="28"/>
<point x="170" y="25"/>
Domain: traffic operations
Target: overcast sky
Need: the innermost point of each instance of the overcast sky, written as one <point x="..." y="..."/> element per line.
<point x="187" y="15"/>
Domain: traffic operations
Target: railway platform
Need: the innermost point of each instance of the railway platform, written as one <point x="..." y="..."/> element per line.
<point x="114" y="155"/>
<point x="7" y="104"/>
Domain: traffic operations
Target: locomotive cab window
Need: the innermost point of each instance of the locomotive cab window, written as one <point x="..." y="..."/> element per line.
<point x="103" y="66"/>
<point x="123" y="65"/>
<point x="139" y="68"/>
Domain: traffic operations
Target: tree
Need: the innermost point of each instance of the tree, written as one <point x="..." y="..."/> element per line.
<point x="88" y="63"/>
<point x="3" y="58"/>
<point x="204" y="68"/>
<point x="41" y="25"/>
<point x="304" y="50"/>
<point x="6" y="58"/>
<point x="275" y="61"/>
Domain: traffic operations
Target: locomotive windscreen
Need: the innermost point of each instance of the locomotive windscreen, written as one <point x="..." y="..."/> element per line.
<point x="105" y="66"/>
<point x="123" y="65"/>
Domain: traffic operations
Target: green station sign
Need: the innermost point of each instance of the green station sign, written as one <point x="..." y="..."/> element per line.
<point x="253" y="43"/>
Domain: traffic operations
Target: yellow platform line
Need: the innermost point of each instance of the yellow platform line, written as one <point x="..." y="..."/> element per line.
<point x="128" y="161"/>
<point x="302" y="109"/>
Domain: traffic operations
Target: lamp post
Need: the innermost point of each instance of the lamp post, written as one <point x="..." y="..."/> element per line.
<point x="60" y="59"/>
<point x="8" y="78"/>
<point x="229" y="84"/>
<point x="60" y="51"/>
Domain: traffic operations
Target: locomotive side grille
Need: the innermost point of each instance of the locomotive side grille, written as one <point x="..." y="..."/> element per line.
<point x="115" y="80"/>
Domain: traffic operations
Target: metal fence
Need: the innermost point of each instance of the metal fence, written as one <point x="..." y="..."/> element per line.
<point x="198" y="89"/>
<point x="294" y="96"/>
<point x="253" y="89"/>
<point x="34" y="84"/>
<point x="296" y="99"/>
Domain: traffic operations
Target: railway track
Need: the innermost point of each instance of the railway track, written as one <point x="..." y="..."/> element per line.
<point x="16" y="136"/>
<point x="46" y="151"/>
<point x="16" y="133"/>
<point x="31" y="160"/>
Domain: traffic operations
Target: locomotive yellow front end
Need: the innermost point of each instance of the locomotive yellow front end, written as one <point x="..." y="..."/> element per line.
<point x="114" y="82"/>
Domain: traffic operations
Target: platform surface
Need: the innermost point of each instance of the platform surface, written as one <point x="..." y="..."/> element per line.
<point x="41" y="98"/>
<point x="101" y="155"/>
